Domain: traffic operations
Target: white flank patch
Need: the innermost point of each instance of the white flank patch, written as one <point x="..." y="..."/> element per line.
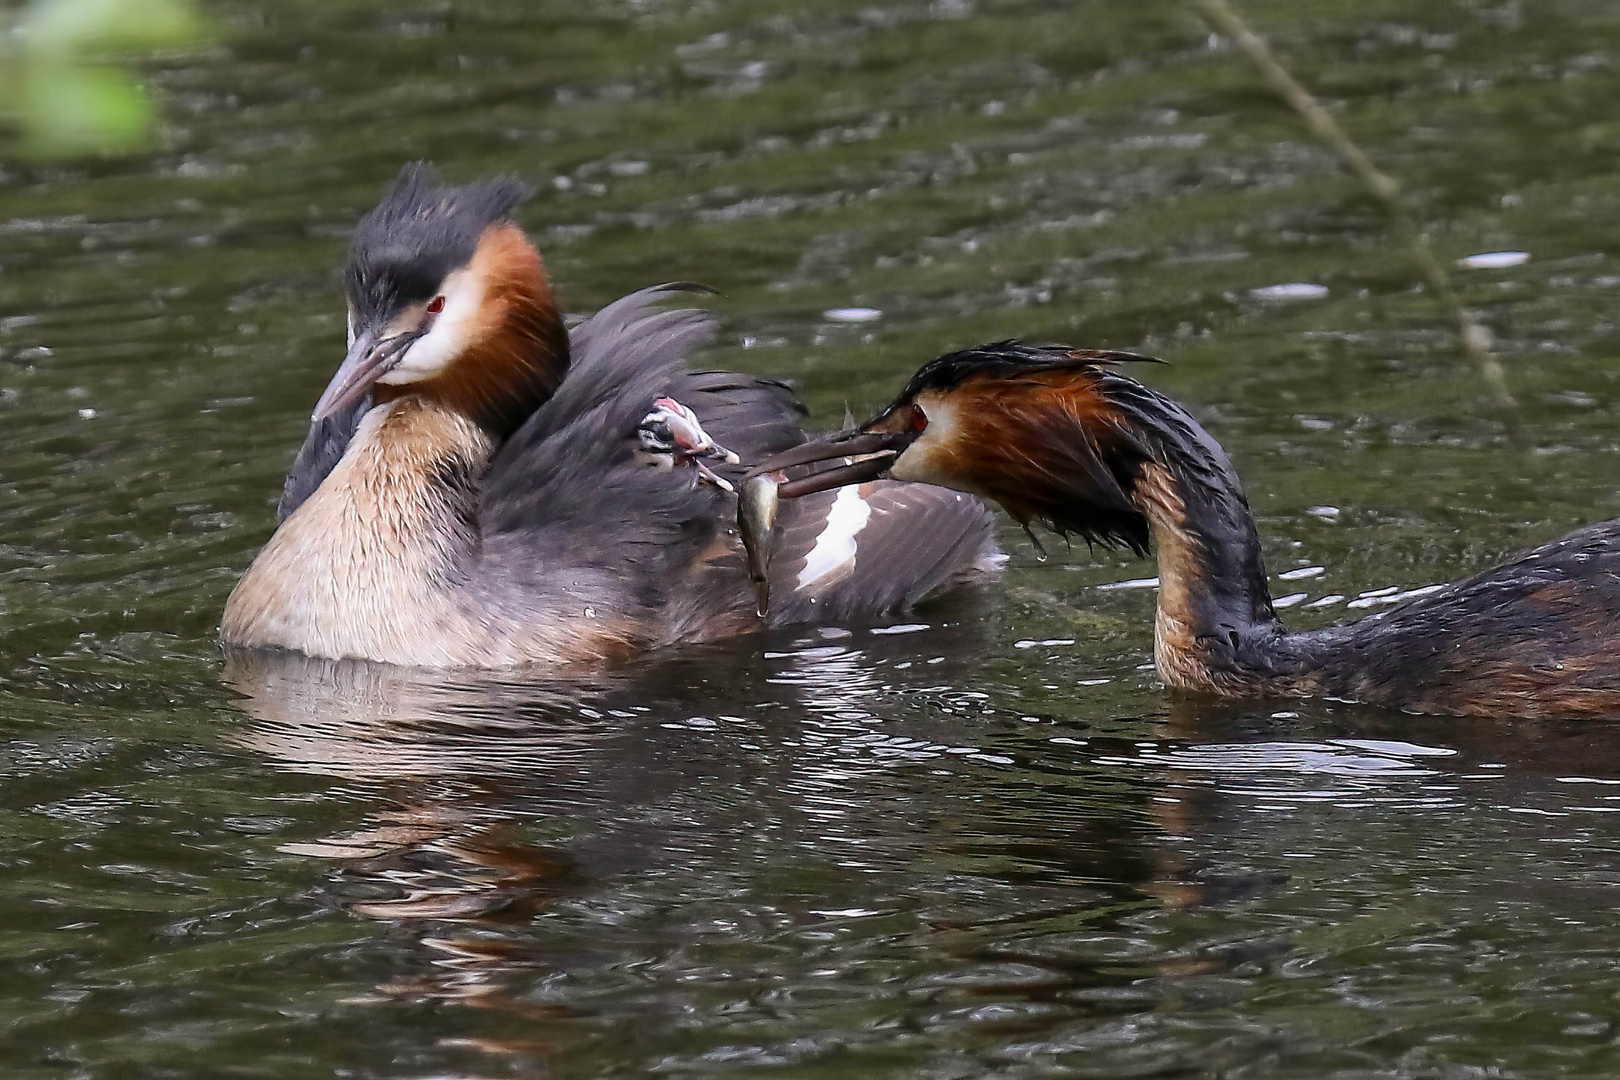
<point x="1292" y="290"/>
<point x="1494" y="260"/>
<point x="852" y="314"/>
<point x="835" y="547"/>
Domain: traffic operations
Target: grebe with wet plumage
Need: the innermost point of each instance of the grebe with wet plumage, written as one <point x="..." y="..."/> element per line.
<point x="1060" y="436"/>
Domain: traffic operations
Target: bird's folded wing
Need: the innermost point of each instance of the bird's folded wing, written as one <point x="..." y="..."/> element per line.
<point x="579" y="450"/>
<point x="869" y="550"/>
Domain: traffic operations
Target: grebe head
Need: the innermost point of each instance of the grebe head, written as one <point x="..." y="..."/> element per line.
<point x="1052" y="434"/>
<point x="448" y="299"/>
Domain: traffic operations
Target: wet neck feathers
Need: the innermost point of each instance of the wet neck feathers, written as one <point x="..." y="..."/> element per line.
<point x="1134" y="465"/>
<point x="1099" y="455"/>
<point x="1215" y="628"/>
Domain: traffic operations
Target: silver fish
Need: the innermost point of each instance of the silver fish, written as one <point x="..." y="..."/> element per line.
<point x="756" y="517"/>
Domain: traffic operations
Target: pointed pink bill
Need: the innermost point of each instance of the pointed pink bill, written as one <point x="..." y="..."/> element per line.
<point x="848" y="457"/>
<point x="368" y="360"/>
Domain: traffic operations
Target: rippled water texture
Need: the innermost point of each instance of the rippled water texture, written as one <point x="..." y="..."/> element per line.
<point x="989" y="845"/>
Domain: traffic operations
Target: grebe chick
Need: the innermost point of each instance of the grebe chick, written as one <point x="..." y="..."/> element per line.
<point x="481" y="487"/>
<point x="1058" y="436"/>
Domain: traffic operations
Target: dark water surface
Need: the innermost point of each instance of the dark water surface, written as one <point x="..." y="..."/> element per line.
<point x="989" y="845"/>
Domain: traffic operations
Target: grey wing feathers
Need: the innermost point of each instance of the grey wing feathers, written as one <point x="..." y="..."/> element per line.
<point x="622" y="358"/>
<point x="885" y="547"/>
<point x="575" y="464"/>
<point x="579" y="449"/>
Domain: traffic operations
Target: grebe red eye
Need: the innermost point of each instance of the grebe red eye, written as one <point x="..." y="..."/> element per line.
<point x="435" y="305"/>
<point x="919" y="419"/>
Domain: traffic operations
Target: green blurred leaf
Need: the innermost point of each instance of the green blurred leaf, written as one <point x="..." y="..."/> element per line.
<point x="69" y="109"/>
<point x="78" y="27"/>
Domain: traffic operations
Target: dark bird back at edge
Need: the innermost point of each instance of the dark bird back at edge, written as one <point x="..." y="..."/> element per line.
<point x="1059" y="436"/>
<point x="475" y="490"/>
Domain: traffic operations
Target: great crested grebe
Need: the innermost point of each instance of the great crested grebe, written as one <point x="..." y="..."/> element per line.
<point x="477" y="489"/>
<point x="1056" y="435"/>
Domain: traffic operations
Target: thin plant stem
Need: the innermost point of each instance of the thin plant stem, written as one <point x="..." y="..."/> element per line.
<point x="1474" y="335"/>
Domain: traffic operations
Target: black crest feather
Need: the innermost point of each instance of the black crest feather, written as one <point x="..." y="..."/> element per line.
<point x="1010" y="358"/>
<point x="420" y="232"/>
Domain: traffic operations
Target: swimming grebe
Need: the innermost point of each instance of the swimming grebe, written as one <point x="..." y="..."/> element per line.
<point x="1057" y="436"/>
<point x="476" y="488"/>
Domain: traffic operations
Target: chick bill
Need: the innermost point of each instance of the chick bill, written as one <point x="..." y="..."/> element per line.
<point x="674" y="430"/>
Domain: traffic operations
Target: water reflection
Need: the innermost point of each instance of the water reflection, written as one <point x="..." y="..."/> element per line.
<point x="535" y="834"/>
<point x="357" y="719"/>
<point x="835" y="759"/>
<point x="839" y="824"/>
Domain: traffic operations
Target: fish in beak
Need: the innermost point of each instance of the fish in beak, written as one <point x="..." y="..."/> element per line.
<point x="756" y="518"/>
<point x="849" y="457"/>
<point x="835" y="461"/>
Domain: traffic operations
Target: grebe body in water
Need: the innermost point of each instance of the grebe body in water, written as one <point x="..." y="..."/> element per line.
<point x="477" y="490"/>
<point x="1059" y="436"/>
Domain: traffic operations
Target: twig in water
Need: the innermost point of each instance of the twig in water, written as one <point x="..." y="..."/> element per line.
<point x="1475" y="336"/>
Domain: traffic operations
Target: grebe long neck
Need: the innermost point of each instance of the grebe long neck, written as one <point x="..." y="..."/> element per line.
<point x="1215" y="628"/>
